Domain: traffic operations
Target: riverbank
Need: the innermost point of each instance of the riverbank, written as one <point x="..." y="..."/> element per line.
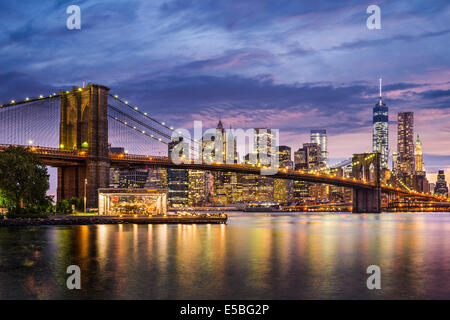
<point x="93" y="220"/>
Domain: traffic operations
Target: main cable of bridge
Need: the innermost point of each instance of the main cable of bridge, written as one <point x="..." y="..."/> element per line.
<point x="28" y="100"/>
<point x="139" y="122"/>
<point x="136" y="129"/>
<point x="145" y="114"/>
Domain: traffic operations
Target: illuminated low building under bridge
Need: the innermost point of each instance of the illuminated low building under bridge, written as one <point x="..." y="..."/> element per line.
<point x="132" y="201"/>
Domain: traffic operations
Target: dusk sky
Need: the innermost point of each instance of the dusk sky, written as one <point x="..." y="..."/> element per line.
<point x="289" y="65"/>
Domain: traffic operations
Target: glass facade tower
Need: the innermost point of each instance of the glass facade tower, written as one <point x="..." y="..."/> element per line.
<point x="319" y="137"/>
<point x="381" y="130"/>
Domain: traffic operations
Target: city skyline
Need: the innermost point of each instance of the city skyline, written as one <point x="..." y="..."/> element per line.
<point x="248" y="76"/>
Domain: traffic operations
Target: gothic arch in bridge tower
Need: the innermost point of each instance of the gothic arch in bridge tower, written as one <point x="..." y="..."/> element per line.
<point x="84" y="127"/>
<point x="366" y="167"/>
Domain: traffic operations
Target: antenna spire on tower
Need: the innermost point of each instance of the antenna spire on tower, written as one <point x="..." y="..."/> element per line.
<point x="380" y="86"/>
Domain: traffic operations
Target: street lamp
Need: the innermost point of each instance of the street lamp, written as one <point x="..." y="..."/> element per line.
<point x="85" y="184"/>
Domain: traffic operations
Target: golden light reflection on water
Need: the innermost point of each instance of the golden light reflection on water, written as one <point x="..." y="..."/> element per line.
<point x="298" y="256"/>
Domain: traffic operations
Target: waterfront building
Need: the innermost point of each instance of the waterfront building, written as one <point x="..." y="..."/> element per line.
<point x="196" y="187"/>
<point x="157" y="178"/>
<point x="380" y="135"/>
<point x="132" y="201"/>
<point x="405" y="147"/>
<point x="177" y="182"/>
<point x="441" y="185"/>
<point x="319" y="137"/>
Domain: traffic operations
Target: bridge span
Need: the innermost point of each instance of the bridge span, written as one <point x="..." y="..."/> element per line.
<point x="82" y="125"/>
<point x="56" y="157"/>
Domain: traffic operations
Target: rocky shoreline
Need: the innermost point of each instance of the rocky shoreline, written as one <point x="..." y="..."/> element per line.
<point x="94" y="220"/>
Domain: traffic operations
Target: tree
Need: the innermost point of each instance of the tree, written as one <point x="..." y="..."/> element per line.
<point x="23" y="178"/>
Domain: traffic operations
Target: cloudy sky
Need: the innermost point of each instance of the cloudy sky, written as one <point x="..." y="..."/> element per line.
<point x="292" y="65"/>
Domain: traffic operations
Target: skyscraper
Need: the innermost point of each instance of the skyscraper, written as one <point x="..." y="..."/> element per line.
<point x="306" y="158"/>
<point x="405" y="147"/>
<point x="177" y="182"/>
<point x="418" y="157"/>
<point x="319" y="137"/>
<point x="380" y="138"/>
<point x="282" y="188"/>
<point x="441" y="185"/>
<point x="421" y="182"/>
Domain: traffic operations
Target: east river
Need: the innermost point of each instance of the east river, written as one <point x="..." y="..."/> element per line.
<point x="254" y="256"/>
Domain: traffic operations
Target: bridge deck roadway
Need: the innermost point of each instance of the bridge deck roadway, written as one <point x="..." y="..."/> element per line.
<point x="59" y="157"/>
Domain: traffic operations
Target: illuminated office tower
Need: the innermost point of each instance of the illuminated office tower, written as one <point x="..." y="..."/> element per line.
<point x="380" y="138"/>
<point x="196" y="187"/>
<point x="421" y="183"/>
<point x="319" y="137"/>
<point x="255" y="187"/>
<point x="226" y="187"/>
<point x="157" y="178"/>
<point x="418" y="157"/>
<point x="282" y="188"/>
<point x="395" y="161"/>
<point x="177" y="182"/>
<point x="441" y="185"/>
<point x="308" y="159"/>
<point x="405" y="147"/>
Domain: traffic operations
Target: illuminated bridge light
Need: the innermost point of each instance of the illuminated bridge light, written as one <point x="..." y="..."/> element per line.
<point x="126" y="102"/>
<point x="41" y="96"/>
<point x="145" y="113"/>
<point x="135" y="108"/>
<point x="12" y="101"/>
<point x="116" y="96"/>
<point x="26" y="99"/>
<point x="163" y="123"/>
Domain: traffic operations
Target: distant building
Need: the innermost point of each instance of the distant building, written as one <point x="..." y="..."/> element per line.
<point x="441" y="185"/>
<point x="418" y="157"/>
<point x="380" y="136"/>
<point x="421" y="183"/>
<point x="395" y="161"/>
<point x="226" y="185"/>
<point x="282" y="188"/>
<point x="177" y="182"/>
<point x="405" y="147"/>
<point x="308" y="159"/>
<point x="157" y="178"/>
<point x="319" y="137"/>
<point x="196" y="187"/>
<point x="126" y="178"/>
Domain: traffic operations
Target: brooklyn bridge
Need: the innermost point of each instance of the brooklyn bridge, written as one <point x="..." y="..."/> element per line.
<point x="73" y="130"/>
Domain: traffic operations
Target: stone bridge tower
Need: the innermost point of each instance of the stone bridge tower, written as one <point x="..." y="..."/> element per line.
<point x="366" y="166"/>
<point x="84" y="127"/>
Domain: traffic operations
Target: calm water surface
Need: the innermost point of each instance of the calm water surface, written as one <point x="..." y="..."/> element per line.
<point x="254" y="256"/>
